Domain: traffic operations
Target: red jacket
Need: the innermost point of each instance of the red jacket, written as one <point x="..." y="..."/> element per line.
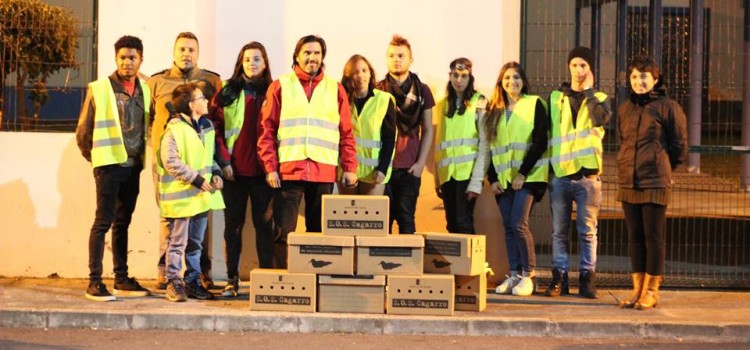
<point x="303" y="170"/>
<point x="244" y="158"/>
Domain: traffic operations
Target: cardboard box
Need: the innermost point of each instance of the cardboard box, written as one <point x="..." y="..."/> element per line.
<point x="390" y="255"/>
<point x="420" y="295"/>
<point x="471" y="292"/>
<point x="456" y="254"/>
<point x="353" y="215"/>
<point x="316" y="253"/>
<point x="279" y="290"/>
<point x="356" y="294"/>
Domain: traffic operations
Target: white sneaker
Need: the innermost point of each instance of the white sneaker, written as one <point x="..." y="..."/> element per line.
<point x="507" y="286"/>
<point x="525" y="287"/>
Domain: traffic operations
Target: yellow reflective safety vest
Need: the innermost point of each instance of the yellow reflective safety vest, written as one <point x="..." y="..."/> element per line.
<point x="366" y="126"/>
<point x="108" y="146"/>
<point x="179" y="199"/>
<point x="513" y="142"/>
<point x="234" y="118"/>
<point x="309" y="129"/>
<point x="457" y="142"/>
<point x="573" y="148"/>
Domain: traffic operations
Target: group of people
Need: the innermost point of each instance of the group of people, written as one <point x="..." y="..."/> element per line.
<point x="279" y="141"/>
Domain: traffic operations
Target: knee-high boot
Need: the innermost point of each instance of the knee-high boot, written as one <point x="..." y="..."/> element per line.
<point x="637" y="289"/>
<point x="650" y="294"/>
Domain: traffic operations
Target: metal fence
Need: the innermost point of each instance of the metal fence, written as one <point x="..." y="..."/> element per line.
<point x="708" y="225"/>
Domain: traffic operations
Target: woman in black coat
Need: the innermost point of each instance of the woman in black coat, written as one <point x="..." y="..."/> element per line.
<point x="653" y="143"/>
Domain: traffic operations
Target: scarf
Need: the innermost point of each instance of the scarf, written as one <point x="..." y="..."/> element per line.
<point x="408" y="110"/>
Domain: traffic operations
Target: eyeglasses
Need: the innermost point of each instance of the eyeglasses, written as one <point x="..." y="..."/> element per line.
<point x="202" y="97"/>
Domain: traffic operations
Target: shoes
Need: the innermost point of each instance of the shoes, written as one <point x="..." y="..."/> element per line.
<point x="195" y="290"/>
<point x="161" y="280"/>
<point x="232" y="288"/>
<point x="525" y="287"/>
<point x="206" y="280"/>
<point x="637" y="289"/>
<point x="559" y="284"/>
<point x="97" y="291"/>
<point x="176" y="290"/>
<point x="586" y="287"/>
<point x="507" y="286"/>
<point x="129" y="287"/>
<point x="650" y="294"/>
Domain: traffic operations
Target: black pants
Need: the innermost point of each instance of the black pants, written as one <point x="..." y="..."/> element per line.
<point x="116" y="194"/>
<point x="403" y="190"/>
<point x="286" y="202"/>
<point x="459" y="210"/>
<point x="235" y="198"/>
<point x="646" y="225"/>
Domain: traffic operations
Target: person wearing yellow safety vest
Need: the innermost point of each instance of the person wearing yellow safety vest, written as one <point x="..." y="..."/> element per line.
<point x="577" y="116"/>
<point x="374" y="123"/>
<point x="457" y="145"/>
<point x="237" y="120"/>
<point x="513" y="144"/>
<point x="111" y="134"/>
<point x="306" y="134"/>
<point x="189" y="184"/>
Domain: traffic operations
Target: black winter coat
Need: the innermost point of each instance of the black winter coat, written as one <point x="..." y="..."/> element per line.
<point x="653" y="140"/>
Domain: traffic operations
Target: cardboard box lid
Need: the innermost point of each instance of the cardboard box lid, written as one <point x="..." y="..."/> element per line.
<point x="413" y="241"/>
<point x="453" y="237"/>
<point x="356" y="197"/>
<point x="301" y="238"/>
<point x="365" y="280"/>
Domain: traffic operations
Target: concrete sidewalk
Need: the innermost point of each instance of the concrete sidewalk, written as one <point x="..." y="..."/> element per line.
<point x="689" y="315"/>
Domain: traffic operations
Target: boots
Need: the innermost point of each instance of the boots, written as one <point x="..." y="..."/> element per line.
<point x="586" y="287"/>
<point x="650" y="293"/>
<point x="559" y="284"/>
<point x="637" y="288"/>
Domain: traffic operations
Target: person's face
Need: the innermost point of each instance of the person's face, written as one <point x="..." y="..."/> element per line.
<point x="460" y="79"/>
<point x="252" y="63"/>
<point x="398" y="59"/>
<point x="310" y="57"/>
<point x="361" y="75"/>
<point x="512" y="82"/>
<point x="199" y="102"/>
<point x="579" y="70"/>
<point x="128" y="62"/>
<point x="185" y="53"/>
<point x="642" y="82"/>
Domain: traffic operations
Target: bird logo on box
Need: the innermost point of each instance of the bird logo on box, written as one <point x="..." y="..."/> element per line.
<point x="440" y="263"/>
<point x="388" y="265"/>
<point x="319" y="263"/>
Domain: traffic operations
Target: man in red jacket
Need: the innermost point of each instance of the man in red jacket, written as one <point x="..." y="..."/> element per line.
<point x="305" y="135"/>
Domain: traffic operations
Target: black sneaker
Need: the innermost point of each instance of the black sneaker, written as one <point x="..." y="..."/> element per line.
<point x="195" y="290"/>
<point x="130" y="288"/>
<point x="97" y="291"/>
<point x="176" y="290"/>
<point x="206" y="280"/>
<point x="161" y="281"/>
<point x="232" y="288"/>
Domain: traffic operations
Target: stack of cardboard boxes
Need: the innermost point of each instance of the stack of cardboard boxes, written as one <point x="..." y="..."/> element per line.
<point x="360" y="267"/>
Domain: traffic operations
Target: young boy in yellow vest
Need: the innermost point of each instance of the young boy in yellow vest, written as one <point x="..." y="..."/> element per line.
<point x="189" y="184"/>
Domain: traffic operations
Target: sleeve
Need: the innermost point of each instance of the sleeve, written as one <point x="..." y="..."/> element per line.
<point x="151" y="83"/>
<point x="270" y="113"/>
<point x="539" y="138"/>
<point x="216" y="115"/>
<point x="429" y="100"/>
<point x="676" y="134"/>
<point x="483" y="158"/>
<point x="600" y="112"/>
<point x="170" y="158"/>
<point x="388" y="138"/>
<point x="85" y="128"/>
<point x="347" y="149"/>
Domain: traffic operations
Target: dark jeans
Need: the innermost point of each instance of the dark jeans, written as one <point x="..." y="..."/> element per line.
<point x="286" y="203"/>
<point x="459" y="210"/>
<point x="116" y="194"/>
<point x="403" y="190"/>
<point x="235" y="198"/>
<point x="646" y="225"/>
<point x="515" y="208"/>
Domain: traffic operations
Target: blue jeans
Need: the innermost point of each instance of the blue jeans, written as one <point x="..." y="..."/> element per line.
<point x="185" y="237"/>
<point x="587" y="195"/>
<point x="515" y="207"/>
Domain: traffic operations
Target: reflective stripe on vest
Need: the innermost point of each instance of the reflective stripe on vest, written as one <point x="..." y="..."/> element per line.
<point x="234" y="117"/>
<point x="512" y="142"/>
<point x="179" y="199"/>
<point x="457" y="142"/>
<point x="309" y="129"/>
<point x="108" y="146"/>
<point x="366" y="126"/>
<point x="573" y="148"/>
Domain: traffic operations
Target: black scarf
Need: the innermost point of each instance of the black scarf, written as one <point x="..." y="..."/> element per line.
<point x="408" y="111"/>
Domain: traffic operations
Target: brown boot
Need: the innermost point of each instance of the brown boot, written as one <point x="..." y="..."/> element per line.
<point x="650" y="294"/>
<point x="637" y="288"/>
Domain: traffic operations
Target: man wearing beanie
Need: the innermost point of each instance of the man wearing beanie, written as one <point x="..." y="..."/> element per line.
<point x="577" y="112"/>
